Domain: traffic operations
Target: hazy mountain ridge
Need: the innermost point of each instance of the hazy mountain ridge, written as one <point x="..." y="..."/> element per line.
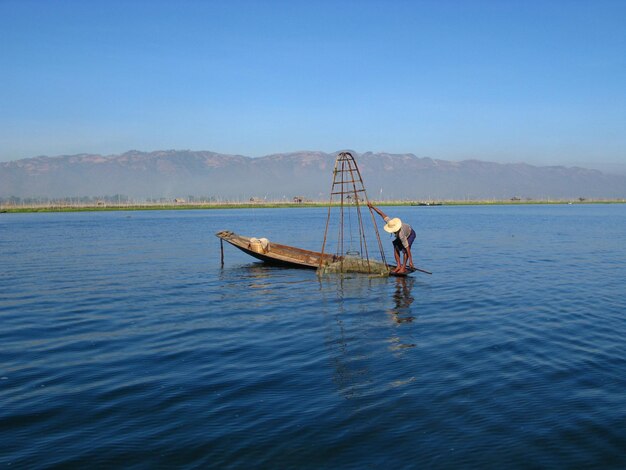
<point x="178" y="173"/>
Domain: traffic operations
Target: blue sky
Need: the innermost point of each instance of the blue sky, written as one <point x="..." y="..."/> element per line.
<point x="542" y="82"/>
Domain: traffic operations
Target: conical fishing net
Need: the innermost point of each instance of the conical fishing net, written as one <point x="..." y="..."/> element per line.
<point x="351" y="249"/>
<point x="354" y="264"/>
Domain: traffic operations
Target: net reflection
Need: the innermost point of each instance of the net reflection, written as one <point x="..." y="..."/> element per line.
<point x="358" y="334"/>
<point x="347" y="304"/>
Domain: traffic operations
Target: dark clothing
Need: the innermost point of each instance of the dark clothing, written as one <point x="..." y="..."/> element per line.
<point x="403" y="234"/>
<point x="399" y="246"/>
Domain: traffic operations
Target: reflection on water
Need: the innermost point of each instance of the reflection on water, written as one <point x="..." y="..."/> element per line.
<point x="124" y="344"/>
<point x="403" y="299"/>
<point x="401" y="310"/>
<point x="341" y="294"/>
<point x="257" y="276"/>
<point x="350" y="308"/>
<point x="354" y="306"/>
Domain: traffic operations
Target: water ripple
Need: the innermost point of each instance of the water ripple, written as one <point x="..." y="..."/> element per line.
<point x="125" y="344"/>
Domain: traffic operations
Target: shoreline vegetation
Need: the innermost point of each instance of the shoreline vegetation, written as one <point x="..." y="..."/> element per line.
<point x="69" y="206"/>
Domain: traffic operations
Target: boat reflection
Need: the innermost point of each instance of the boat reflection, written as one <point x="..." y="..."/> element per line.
<point x="258" y="277"/>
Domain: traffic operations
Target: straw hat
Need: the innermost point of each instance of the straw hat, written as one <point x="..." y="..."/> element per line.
<point x="393" y="225"/>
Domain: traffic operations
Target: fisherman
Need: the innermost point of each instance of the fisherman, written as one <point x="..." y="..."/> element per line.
<point x="405" y="236"/>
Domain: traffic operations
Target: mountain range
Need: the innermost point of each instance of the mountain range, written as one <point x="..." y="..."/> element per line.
<point x="180" y="173"/>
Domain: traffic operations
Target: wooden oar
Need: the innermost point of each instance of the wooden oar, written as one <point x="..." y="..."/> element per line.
<point x="418" y="269"/>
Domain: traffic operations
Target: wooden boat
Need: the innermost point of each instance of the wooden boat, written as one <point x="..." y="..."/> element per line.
<point x="348" y="184"/>
<point x="276" y="253"/>
<point x="285" y="255"/>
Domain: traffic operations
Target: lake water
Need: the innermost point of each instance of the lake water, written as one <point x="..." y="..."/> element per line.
<point x="124" y="343"/>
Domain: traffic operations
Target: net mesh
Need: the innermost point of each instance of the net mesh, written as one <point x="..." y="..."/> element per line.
<point x="354" y="264"/>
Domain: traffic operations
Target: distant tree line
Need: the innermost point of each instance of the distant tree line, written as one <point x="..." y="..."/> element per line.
<point x="101" y="200"/>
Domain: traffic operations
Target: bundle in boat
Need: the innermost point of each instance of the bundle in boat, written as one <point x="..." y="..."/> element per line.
<point x="355" y="264"/>
<point x="259" y="245"/>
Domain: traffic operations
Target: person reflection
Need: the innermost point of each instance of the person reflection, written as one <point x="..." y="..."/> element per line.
<point x="401" y="313"/>
<point x="403" y="299"/>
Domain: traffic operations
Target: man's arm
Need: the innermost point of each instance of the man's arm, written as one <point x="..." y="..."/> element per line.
<point x="381" y="213"/>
